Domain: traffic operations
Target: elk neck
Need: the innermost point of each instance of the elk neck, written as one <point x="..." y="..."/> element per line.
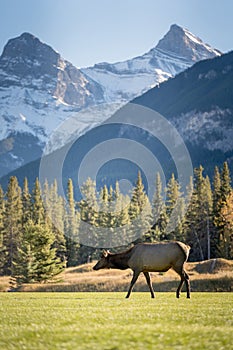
<point x="120" y="261"/>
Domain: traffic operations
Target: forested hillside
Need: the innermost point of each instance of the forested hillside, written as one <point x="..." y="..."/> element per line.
<point x="41" y="232"/>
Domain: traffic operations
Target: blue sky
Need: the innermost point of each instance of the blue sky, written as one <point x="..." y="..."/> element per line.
<point x="86" y="32"/>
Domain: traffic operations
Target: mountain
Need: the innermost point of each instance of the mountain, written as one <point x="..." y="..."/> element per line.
<point x="197" y="102"/>
<point x="39" y="90"/>
<point x="176" y="51"/>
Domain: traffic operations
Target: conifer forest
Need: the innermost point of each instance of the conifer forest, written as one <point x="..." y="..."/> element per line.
<point x="34" y="249"/>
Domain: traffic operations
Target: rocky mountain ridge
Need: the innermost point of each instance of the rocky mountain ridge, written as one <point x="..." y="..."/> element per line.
<point x="39" y="89"/>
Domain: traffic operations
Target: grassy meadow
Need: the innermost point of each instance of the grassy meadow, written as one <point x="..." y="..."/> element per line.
<point x="108" y="321"/>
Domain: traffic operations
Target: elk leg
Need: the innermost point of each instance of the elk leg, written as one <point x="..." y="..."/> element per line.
<point x="134" y="279"/>
<point x="187" y="284"/>
<point x="179" y="268"/>
<point x="148" y="280"/>
<point x="184" y="278"/>
<point x="180" y="286"/>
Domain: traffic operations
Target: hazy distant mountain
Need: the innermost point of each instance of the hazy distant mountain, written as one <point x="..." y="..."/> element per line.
<point x="39" y="89"/>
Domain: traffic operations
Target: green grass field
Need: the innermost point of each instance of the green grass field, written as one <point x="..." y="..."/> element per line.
<point x="65" y="321"/>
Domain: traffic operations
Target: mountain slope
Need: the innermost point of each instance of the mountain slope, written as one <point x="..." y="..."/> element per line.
<point x="199" y="103"/>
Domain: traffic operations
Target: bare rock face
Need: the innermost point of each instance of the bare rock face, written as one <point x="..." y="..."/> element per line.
<point x="28" y="62"/>
<point x="183" y="43"/>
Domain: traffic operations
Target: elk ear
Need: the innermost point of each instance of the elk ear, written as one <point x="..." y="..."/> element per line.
<point x="105" y="253"/>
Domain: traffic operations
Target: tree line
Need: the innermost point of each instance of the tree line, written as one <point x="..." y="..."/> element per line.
<point x="40" y="230"/>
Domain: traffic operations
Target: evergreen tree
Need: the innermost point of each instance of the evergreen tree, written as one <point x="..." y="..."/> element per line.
<point x="26" y="202"/>
<point x="140" y="212"/>
<point x="46" y="201"/>
<point x="12" y="223"/>
<point x="225" y="182"/>
<point x="172" y="194"/>
<point x="88" y="204"/>
<point x="226" y="246"/>
<point x="71" y="227"/>
<point x="57" y="214"/>
<point x="222" y="189"/>
<point x="217" y="204"/>
<point x="119" y="216"/>
<point x="89" y="213"/>
<point x="36" y="260"/>
<point x="38" y="211"/>
<point x="174" y="210"/>
<point x="111" y="195"/>
<point x="208" y="207"/>
<point x="2" y="213"/>
<point x="159" y="214"/>
<point x="199" y="217"/>
<point x="104" y="215"/>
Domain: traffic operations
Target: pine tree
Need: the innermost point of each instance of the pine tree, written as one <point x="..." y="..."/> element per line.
<point x="12" y="223"/>
<point x="57" y="220"/>
<point x="119" y="219"/>
<point x="222" y="189"/>
<point x="104" y="216"/>
<point x="88" y="204"/>
<point x="89" y="213"/>
<point x="159" y="215"/>
<point x="224" y="206"/>
<point x="217" y="203"/>
<point x="208" y="207"/>
<point x="199" y="217"/>
<point x="2" y="213"/>
<point x="225" y="182"/>
<point x="72" y="227"/>
<point x="46" y="201"/>
<point x="226" y="246"/>
<point x="172" y="194"/>
<point x="38" y="211"/>
<point x="111" y="195"/>
<point x="26" y="202"/>
<point x="36" y="260"/>
<point x="140" y="212"/>
<point x="174" y="210"/>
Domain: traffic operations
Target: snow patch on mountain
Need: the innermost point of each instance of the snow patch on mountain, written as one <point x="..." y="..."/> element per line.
<point x="36" y="113"/>
<point x="177" y="51"/>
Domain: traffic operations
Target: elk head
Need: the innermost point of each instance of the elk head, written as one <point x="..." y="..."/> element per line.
<point x="104" y="262"/>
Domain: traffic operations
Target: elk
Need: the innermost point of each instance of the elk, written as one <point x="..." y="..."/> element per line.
<point x="150" y="257"/>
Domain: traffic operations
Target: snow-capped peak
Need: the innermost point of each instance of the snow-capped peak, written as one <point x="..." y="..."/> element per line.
<point x="39" y="89"/>
<point x="176" y="51"/>
<point x="183" y="43"/>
